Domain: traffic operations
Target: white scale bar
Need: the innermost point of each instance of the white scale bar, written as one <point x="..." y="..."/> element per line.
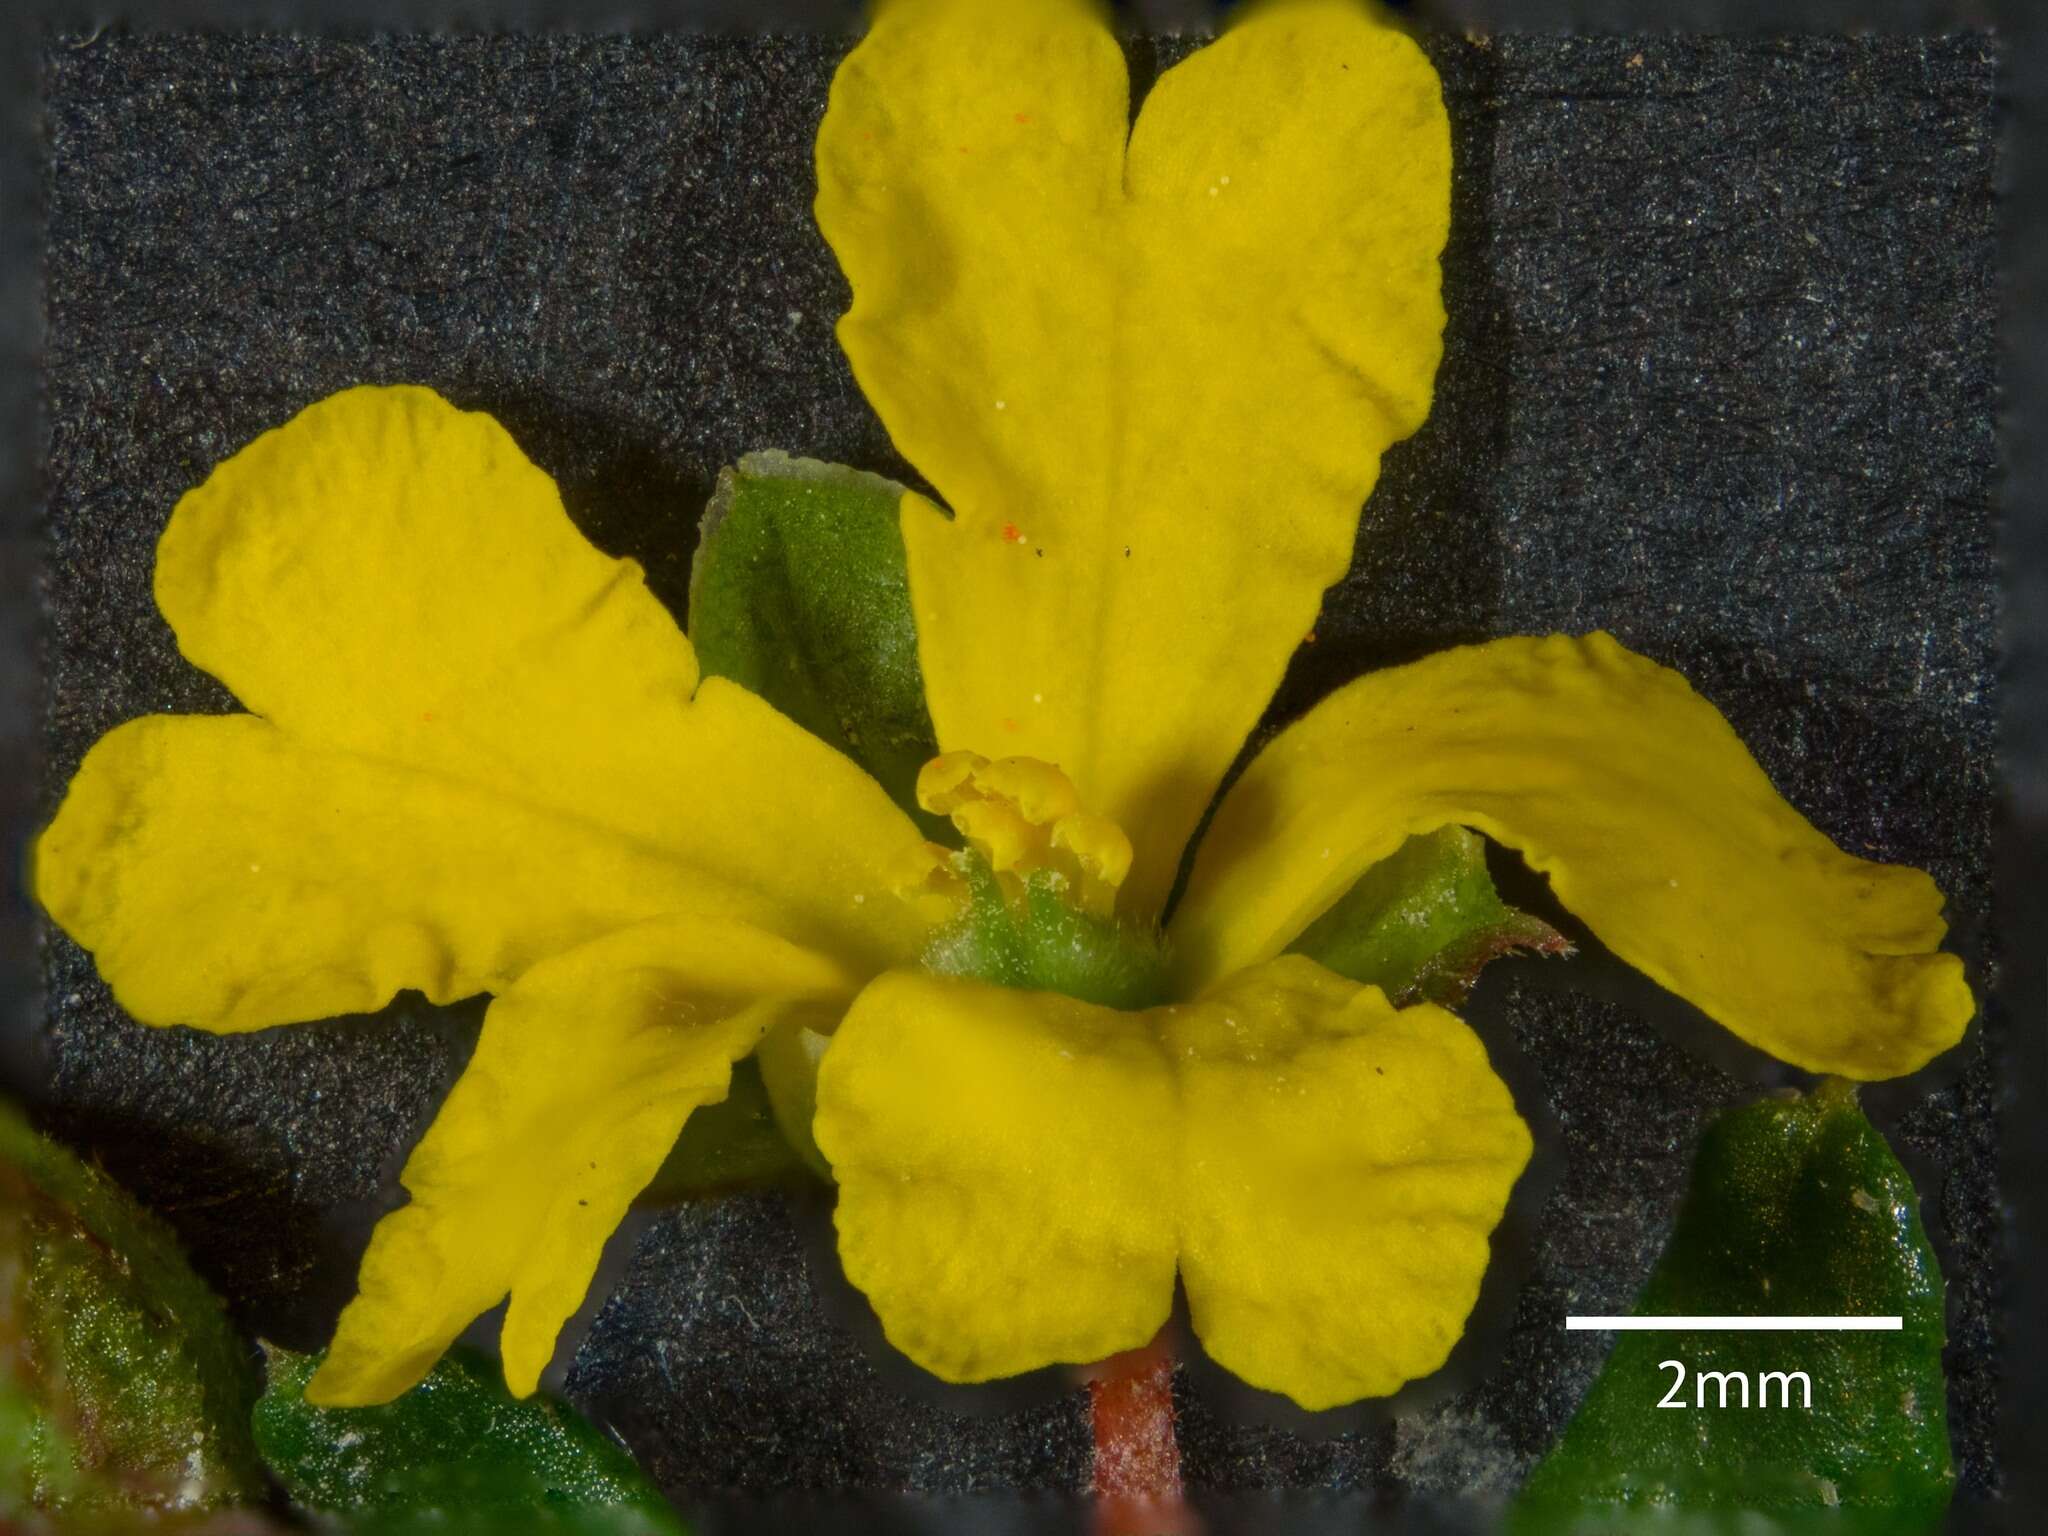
<point x="1733" y="1324"/>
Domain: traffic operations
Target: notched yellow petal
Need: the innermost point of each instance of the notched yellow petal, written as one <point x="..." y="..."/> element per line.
<point x="1017" y="1172"/>
<point x="583" y="1077"/>
<point x="1630" y="791"/>
<point x="1153" y="386"/>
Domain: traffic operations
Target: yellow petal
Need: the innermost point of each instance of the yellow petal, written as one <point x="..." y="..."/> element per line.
<point x="1154" y="388"/>
<point x="481" y="746"/>
<point x="224" y="873"/>
<point x="1346" y="1163"/>
<point x="582" y="1078"/>
<point x="1652" y="820"/>
<point x="1005" y="1168"/>
<point x="1018" y="1170"/>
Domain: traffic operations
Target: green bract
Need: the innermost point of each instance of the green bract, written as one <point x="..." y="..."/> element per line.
<point x="1422" y="923"/>
<point x="799" y="593"/>
<point x="1797" y="1207"/>
<point x="456" y="1453"/>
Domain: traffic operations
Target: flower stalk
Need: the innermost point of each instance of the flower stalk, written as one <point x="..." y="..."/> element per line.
<point x="1136" y="1481"/>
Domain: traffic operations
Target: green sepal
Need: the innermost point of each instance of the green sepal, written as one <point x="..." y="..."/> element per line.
<point x="122" y="1385"/>
<point x="737" y="1143"/>
<point x="456" y="1453"/>
<point x="1038" y="941"/>
<point x="1796" y="1207"/>
<point x="801" y="594"/>
<point x="1423" y="922"/>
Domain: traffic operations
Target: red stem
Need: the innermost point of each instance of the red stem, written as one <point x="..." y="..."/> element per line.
<point x="1137" y="1459"/>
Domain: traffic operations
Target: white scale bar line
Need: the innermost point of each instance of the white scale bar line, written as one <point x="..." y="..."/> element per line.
<point x="1733" y="1324"/>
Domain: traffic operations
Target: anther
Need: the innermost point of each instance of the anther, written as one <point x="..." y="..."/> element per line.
<point x="1022" y="815"/>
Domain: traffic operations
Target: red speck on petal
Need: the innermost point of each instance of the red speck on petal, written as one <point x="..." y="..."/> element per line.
<point x="428" y="715"/>
<point x="1023" y="117"/>
<point x="1009" y="724"/>
<point x="1012" y="534"/>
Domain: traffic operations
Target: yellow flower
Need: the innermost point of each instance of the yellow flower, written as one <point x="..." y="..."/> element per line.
<point x="1151" y="370"/>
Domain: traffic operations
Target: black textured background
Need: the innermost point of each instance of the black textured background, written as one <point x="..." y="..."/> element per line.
<point x="1720" y="378"/>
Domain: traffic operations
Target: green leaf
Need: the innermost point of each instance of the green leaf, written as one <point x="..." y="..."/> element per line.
<point x="1797" y="1207"/>
<point x="457" y="1452"/>
<point x="122" y="1385"/>
<point x="800" y="594"/>
<point x="1423" y="922"/>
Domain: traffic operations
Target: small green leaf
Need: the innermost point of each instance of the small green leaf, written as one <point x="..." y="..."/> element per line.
<point x="122" y="1385"/>
<point x="1797" y="1207"/>
<point x="457" y="1452"/>
<point x="1040" y="942"/>
<point x="1423" y="922"/>
<point x="800" y="593"/>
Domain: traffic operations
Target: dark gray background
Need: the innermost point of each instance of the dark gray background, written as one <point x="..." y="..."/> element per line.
<point x="1720" y="378"/>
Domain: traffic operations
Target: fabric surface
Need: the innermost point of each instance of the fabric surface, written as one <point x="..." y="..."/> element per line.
<point x="1719" y="376"/>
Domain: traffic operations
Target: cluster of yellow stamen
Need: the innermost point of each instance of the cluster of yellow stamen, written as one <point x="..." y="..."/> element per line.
<point x="1020" y="815"/>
